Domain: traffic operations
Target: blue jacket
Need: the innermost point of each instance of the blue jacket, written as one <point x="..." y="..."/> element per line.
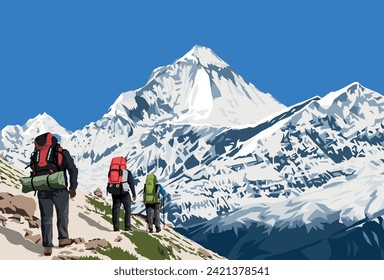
<point x="161" y="190"/>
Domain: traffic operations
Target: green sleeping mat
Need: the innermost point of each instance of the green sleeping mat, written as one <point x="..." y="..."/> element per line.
<point x="43" y="182"/>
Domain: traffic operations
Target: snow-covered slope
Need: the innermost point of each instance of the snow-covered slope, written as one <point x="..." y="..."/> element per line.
<point x="316" y="178"/>
<point x="338" y="221"/>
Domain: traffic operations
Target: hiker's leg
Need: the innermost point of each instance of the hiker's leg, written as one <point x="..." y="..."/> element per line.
<point x="127" y="202"/>
<point x="116" y="203"/>
<point x="157" y="216"/>
<point x="61" y="201"/>
<point x="46" y="213"/>
<point x="150" y="210"/>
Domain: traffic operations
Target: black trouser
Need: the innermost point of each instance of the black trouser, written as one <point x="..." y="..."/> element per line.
<point x="47" y="199"/>
<point x="153" y="210"/>
<point x="117" y="200"/>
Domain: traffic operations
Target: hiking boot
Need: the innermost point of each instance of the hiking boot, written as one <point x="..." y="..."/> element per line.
<point x="47" y="251"/>
<point x="128" y="229"/>
<point x="150" y="230"/>
<point x="158" y="229"/>
<point x="65" y="242"/>
<point x="116" y="229"/>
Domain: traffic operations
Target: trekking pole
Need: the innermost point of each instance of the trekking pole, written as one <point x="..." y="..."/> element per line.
<point x="163" y="213"/>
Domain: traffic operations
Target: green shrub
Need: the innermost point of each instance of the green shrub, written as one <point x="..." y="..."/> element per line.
<point x="105" y="210"/>
<point x="150" y="247"/>
<point x="116" y="253"/>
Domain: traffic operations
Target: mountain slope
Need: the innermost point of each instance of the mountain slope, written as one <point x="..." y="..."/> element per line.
<point x="318" y="175"/>
<point x="342" y="221"/>
<point x="90" y="226"/>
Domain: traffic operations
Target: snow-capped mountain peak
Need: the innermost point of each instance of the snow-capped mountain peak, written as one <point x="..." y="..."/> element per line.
<point x="204" y="56"/>
<point x="200" y="89"/>
<point x="125" y="99"/>
<point x="333" y="97"/>
<point x="17" y="140"/>
<point x="44" y="123"/>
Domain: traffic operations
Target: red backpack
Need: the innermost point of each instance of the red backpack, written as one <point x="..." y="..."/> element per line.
<point x="115" y="175"/>
<point x="47" y="156"/>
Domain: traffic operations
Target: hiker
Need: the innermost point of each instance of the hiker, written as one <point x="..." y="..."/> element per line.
<point x="47" y="158"/>
<point x="152" y="201"/>
<point x="121" y="186"/>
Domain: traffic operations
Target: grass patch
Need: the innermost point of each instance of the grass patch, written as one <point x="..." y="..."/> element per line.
<point x="137" y="221"/>
<point x="100" y="207"/>
<point x="202" y="256"/>
<point x="12" y="178"/>
<point x="184" y="245"/>
<point x="169" y="240"/>
<point x="105" y="210"/>
<point x="116" y="253"/>
<point x="150" y="247"/>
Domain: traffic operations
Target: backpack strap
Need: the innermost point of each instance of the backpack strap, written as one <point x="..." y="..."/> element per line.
<point x="33" y="187"/>
<point x="33" y="162"/>
<point x="48" y="182"/>
<point x="55" y="156"/>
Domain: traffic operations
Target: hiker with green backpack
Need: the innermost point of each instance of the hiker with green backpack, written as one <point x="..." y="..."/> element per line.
<point x="153" y="201"/>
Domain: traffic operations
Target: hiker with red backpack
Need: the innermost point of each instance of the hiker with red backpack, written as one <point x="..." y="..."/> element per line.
<point x="121" y="186"/>
<point x="49" y="158"/>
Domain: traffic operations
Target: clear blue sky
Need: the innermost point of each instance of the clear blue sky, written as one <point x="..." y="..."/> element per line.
<point x="72" y="59"/>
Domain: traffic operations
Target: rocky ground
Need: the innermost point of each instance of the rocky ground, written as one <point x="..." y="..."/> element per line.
<point x="89" y="226"/>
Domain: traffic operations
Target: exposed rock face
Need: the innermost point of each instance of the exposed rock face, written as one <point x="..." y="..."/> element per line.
<point x="35" y="238"/>
<point x="17" y="204"/>
<point x="16" y="218"/>
<point x="65" y="257"/>
<point x="34" y="223"/>
<point x="3" y="220"/>
<point x="173" y="246"/>
<point x="204" y="252"/>
<point x="98" y="193"/>
<point x="97" y="242"/>
<point x="79" y="240"/>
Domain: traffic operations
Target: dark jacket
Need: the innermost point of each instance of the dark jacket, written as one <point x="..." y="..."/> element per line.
<point x="131" y="183"/>
<point x="69" y="165"/>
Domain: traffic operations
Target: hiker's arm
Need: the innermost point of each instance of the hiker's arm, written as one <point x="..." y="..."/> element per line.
<point x="162" y="191"/>
<point x="72" y="169"/>
<point x="131" y="184"/>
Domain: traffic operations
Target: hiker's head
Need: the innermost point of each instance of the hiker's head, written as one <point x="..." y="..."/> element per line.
<point x="57" y="136"/>
<point x="46" y="138"/>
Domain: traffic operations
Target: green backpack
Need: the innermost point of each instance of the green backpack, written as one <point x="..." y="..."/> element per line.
<point x="150" y="193"/>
